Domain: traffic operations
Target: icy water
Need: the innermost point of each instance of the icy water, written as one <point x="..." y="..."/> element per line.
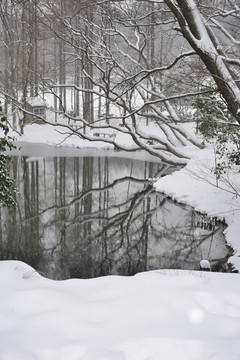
<point x="85" y="213"/>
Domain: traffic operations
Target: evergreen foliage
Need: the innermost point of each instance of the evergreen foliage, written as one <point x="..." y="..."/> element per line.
<point x="7" y="189"/>
<point x="218" y="125"/>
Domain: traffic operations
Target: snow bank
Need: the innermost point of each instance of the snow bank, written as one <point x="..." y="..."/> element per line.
<point x="196" y="185"/>
<point x="57" y="136"/>
<point x="165" y="314"/>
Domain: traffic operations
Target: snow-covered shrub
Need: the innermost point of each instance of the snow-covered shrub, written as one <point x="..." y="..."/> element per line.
<point x="7" y="188"/>
<point x="219" y="127"/>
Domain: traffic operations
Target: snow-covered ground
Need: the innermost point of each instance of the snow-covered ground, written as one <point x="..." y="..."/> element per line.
<point x="55" y="135"/>
<point x="167" y="314"/>
<point x="196" y="185"/>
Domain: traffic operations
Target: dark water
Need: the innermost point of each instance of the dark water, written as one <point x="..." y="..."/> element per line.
<point x="87" y="216"/>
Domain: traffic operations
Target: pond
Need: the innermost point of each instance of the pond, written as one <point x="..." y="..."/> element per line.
<point x="89" y="213"/>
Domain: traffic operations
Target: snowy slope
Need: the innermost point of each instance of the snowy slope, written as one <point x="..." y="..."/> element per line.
<point x="156" y="315"/>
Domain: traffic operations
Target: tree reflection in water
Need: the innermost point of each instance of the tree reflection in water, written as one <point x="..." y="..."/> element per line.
<point x="92" y="216"/>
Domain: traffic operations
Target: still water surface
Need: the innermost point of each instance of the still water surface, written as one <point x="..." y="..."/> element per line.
<point x="86" y="213"/>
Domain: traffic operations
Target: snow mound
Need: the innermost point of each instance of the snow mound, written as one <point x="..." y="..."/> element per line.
<point x="165" y="314"/>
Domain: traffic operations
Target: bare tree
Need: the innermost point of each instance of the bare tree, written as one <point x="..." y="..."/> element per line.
<point x="134" y="62"/>
<point x="117" y="65"/>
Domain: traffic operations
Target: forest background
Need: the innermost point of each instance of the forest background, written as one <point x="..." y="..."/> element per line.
<point x="115" y="66"/>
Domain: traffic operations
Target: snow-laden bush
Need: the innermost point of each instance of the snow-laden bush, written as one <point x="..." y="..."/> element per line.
<point x="219" y="127"/>
<point x="7" y="189"/>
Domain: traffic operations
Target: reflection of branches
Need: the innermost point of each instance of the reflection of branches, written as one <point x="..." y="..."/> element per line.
<point x="184" y="245"/>
<point x="77" y="199"/>
<point x="122" y="218"/>
<point x="86" y="193"/>
<point x="113" y="227"/>
<point x="131" y="225"/>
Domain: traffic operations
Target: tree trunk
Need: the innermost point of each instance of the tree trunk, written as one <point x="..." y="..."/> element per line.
<point x="203" y="42"/>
